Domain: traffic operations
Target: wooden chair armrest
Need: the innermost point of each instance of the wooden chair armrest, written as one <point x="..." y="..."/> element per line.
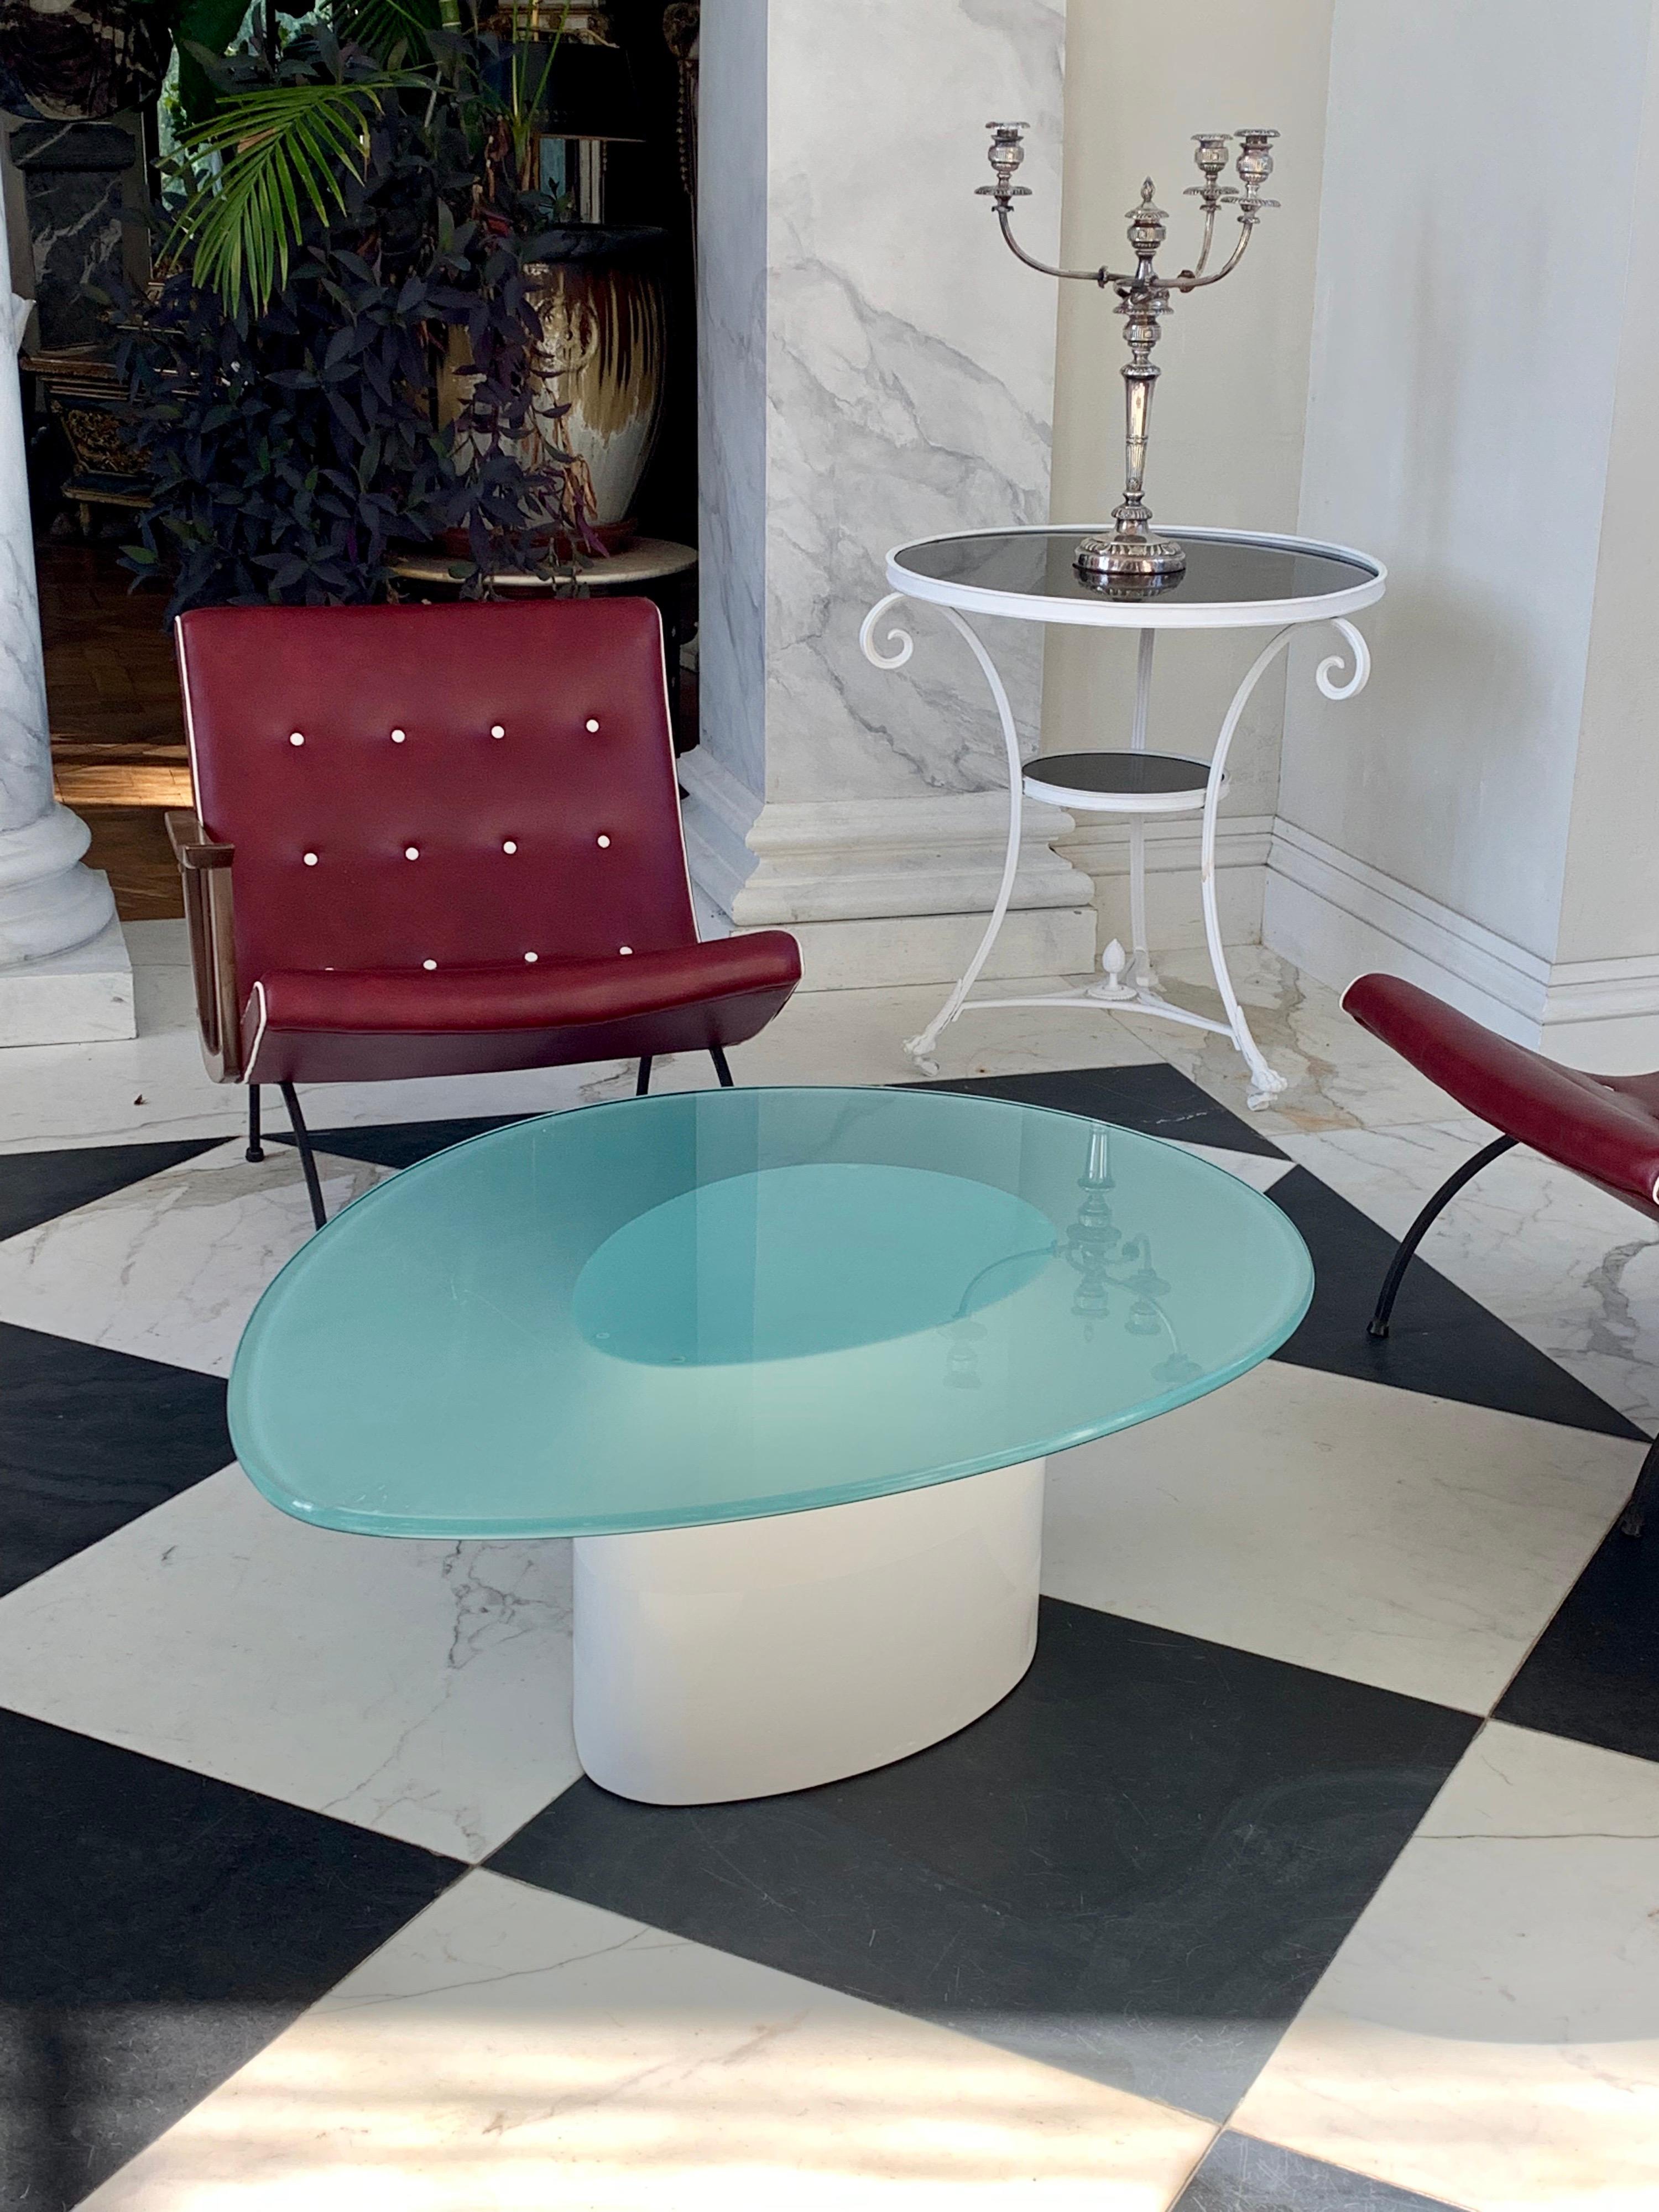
<point x="192" y="849"/>
<point x="205" y="867"/>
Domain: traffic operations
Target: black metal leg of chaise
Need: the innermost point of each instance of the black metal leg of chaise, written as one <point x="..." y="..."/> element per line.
<point x="1378" y="1326"/>
<point x="307" y="1159"/>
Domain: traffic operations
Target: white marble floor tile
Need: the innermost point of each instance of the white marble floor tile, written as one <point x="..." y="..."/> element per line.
<point x="1396" y="1539"/>
<point x="421" y="1689"/>
<point x="1576" y="1273"/>
<point x="857" y="1037"/>
<point x="512" y="2051"/>
<point x="1340" y="1077"/>
<point x="1489" y="2033"/>
<point x="171" y="1268"/>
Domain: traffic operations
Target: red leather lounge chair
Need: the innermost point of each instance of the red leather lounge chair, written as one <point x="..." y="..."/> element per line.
<point x="1604" y="1127"/>
<point x="444" y="840"/>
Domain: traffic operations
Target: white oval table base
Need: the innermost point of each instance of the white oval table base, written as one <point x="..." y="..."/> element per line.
<point x="1140" y="990"/>
<point x="745" y="1658"/>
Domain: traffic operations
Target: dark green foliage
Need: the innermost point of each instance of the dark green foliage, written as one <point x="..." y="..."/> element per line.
<point x="296" y="450"/>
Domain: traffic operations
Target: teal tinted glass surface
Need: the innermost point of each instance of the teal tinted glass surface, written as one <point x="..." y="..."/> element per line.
<point x="731" y="1303"/>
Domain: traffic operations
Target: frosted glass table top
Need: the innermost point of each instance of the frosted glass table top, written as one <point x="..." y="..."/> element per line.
<point x="724" y="1304"/>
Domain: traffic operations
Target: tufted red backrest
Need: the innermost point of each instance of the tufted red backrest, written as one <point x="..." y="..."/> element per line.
<point x="521" y="752"/>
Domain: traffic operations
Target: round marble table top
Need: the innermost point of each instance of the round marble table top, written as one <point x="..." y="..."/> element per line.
<point x="724" y="1305"/>
<point x="1233" y="580"/>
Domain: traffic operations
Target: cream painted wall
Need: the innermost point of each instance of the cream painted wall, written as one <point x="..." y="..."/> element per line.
<point x="1480" y="180"/>
<point x="1610" y="898"/>
<point x="1228" y="413"/>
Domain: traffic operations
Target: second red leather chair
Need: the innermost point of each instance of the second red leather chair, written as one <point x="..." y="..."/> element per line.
<point x="1604" y="1127"/>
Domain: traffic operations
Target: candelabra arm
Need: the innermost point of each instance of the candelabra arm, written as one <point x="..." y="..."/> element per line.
<point x="1194" y="280"/>
<point x="1043" y="268"/>
<point x="1202" y="262"/>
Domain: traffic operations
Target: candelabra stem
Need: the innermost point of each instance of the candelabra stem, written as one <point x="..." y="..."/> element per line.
<point x="1137" y="382"/>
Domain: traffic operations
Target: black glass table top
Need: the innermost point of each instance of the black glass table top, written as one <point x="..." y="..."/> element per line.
<point x="1219" y="571"/>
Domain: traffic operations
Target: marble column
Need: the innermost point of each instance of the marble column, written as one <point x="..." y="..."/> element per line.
<point x="875" y="366"/>
<point x="64" y="974"/>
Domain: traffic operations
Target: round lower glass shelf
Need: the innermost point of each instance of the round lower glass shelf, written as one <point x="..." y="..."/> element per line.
<point x="1121" y="783"/>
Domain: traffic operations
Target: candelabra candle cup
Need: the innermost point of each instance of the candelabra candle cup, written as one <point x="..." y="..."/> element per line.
<point x="1133" y="561"/>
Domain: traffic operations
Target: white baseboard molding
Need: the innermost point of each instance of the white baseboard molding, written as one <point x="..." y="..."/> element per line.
<point x="1174" y="919"/>
<point x="1335" y="916"/>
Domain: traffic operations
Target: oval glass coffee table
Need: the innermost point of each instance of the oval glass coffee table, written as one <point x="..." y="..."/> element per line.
<point x="787" y="1364"/>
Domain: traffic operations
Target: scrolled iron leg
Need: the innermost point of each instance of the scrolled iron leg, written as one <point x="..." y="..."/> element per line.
<point x="1644" y="1498"/>
<point x="920" y="1048"/>
<point x="1266" y="1081"/>
<point x="1378" y="1325"/>
<point x="308" y="1157"/>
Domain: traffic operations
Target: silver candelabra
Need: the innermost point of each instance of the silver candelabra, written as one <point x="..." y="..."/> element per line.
<point x="1132" y="559"/>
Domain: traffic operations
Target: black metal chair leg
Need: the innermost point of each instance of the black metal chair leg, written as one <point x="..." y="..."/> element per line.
<point x="307" y="1159"/>
<point x="1378" y="1326"/>
<point x="644" y="1082"/>
<point x="1644" y="1498"/>
<point x="721" y="1067"/>
<point x="256" y="1151"/>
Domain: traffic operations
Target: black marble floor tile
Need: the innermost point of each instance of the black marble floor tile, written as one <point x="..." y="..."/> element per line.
<point x="1242" y="2175"/>
<point x="1442" y="1341"/>
<point x="1593" y="1674"/>
<point x="161" y="1928"/>
<point x="36" y="1187"/>
<point x="1158" y="1100"/>
<point x="395" y="1144"/>
<point x="1135" y="1867"/>
<point x="91" y="1438"/>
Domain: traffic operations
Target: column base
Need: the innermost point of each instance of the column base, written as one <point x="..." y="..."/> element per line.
<point x="888" y="951"/>
<point x="751" y="1657"/>
<point x="83" y="996"/>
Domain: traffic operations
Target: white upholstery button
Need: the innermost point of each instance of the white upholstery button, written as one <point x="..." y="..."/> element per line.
<point x="311" y="859"/>
<point x="592" y="725"/>
<point x="398" y="735"/>
<point x="604" y="841"/>
<point x="532" y="958"/>
<point x="496" y="730"/>
<point x="624" y="948"/>
<point x="429" y="963"/>
<point x="297" y="738"/>
<point x="509" y="847"/>
<point x="411" y="851"/>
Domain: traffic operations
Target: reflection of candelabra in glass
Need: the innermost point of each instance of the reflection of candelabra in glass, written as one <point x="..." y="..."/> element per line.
<point x="1132" y="557"/>
<point x="1107" y="1261"/>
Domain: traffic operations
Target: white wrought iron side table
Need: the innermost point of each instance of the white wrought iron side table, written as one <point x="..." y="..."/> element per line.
<point x="1233" y="580"/>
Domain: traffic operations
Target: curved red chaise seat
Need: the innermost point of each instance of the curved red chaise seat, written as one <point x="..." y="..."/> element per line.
<point x="443" y="841"/>
<point x="1604" y="1127"/>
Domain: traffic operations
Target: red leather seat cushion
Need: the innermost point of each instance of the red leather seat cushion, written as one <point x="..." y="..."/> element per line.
<point x="1601" y="1127"/>
<point x="303" y="1024"/>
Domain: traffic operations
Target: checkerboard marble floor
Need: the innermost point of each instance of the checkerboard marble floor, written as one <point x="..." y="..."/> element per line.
<point x="1314" y="1867"/>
